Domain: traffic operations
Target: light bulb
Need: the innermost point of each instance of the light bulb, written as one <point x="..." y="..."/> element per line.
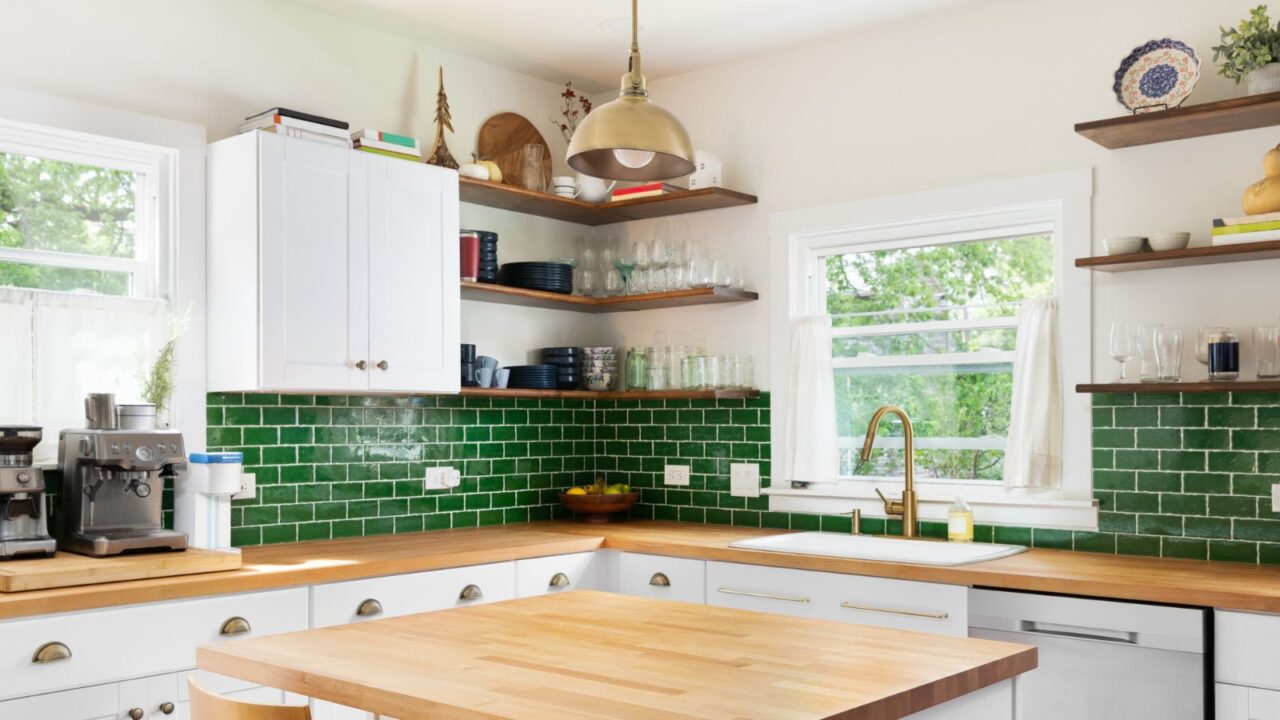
<point x="633" y="159"/>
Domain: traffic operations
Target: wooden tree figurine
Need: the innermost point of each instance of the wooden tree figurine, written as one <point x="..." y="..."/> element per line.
<point x="440" y="154"/>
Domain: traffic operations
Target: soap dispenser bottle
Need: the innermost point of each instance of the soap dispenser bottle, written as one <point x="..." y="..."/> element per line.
<point x="960" y="521"/>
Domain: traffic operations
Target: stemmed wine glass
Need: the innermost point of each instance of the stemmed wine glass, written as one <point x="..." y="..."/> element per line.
<point x="1121" y="346"/>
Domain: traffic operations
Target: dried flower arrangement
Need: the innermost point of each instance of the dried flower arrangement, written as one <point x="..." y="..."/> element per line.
<point x="575" y="108"/>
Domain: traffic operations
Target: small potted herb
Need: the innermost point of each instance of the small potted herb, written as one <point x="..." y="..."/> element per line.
<point x="1251" y="51"/>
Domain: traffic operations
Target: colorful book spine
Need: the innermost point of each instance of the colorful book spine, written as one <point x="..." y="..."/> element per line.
<point x="637" y="191"/>
<point x="308" y="117"/>
<point x="389" y="147"/>
<point x="387" y="153"/>
<point x="388" y="138"/>
<point x="285" y="121"/>
<point x="1245" y="238"/>
<point x="1246" y="228"/>
<point x="1246" y="220"/>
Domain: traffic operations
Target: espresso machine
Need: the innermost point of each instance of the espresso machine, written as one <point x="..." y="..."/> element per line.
<point x="24" y="530"/>
<point x="113" y="478"/>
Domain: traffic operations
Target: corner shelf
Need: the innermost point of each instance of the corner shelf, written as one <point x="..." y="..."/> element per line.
<point x="611" y="394"/>
<point x="510" y="197"/>
<point x="1207" y="255"/>
<point x="487" y="292"/>
<point x="1187" y="121"/>
<point x="1204" y="386"/>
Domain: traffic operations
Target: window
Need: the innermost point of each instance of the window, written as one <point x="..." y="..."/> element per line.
<point x="932" y="326"/>
<point x="924" y="291"/>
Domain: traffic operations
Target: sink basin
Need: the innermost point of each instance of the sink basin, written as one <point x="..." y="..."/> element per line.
<point x="884" y="549"/>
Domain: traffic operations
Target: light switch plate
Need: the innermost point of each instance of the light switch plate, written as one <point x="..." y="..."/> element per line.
<point x="1275" y="497"/>
<point x="441" y="478"/>
<point x="248" y="487"/>
<point x="744" y="480"/>
<point x="675" y="475"/>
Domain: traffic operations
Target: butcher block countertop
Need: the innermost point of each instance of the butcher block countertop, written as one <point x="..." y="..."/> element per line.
<point x="590" y="655"/>
<point x="1233" y="586"/>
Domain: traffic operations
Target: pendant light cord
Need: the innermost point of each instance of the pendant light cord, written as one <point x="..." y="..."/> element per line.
<point x="634" y="81"/>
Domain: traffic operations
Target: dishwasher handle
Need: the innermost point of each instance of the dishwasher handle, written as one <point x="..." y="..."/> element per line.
<point x="1078" y="632"/>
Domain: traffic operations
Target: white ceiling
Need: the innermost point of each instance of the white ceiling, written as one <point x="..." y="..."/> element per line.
<point x="586" y="40"/>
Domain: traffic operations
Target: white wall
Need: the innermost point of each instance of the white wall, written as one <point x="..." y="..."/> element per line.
<point x="979" y="91"/>
<point x="213" y="62"/>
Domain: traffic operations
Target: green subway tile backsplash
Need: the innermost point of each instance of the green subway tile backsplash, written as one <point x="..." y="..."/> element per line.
<point x="1185" y="476"/>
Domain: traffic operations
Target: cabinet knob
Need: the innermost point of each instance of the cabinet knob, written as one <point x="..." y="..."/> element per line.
<point x="559" y="580"/>
<point x="136" y="713"/>
<point x="167" y="708"/>
<point x="660" y="580"/>
<point x="362" y="365"/>
<point x="369" y="608"/>
<point x="470" y="592"/>
<point x="235" y="626"/>
<point x="51" y="652"/>
<point x="382" y="365"/>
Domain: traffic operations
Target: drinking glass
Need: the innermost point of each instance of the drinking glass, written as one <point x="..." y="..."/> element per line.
<point x="746" y="372"/>
<point x="658" y="255"/>
<point x="1203" y="338"/>
<point x="657" y="378"/>
<point x="588" y="272"/>
<point x="1266" y="349"/>
<point x="722" y="272"/>
<point x="676" y="267"/>
<point x="1146" y="346"/>
<point x="1121" y="345"/>
<point x="675" y="366"/>
<point x="700" y="269"/>
<point x="1168" y="351"/>
<point x="1224" y="356"/>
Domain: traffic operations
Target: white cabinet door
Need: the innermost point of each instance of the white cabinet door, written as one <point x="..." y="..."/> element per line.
<point x="1247" y="649"/>
<point x="412" y="276"/>
<point x="558" y="573"/>
<point x="1236" y="702"/>
<point x="313" y="327"/>
<point x="100" y="702"/>
<point x="661" y="577"/>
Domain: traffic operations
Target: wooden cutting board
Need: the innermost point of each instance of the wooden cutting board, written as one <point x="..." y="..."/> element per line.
<point x="502" y="139"/>
<point x="69" y="569"/>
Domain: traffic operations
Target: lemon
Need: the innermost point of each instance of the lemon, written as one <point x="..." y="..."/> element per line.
<point x="575" y="491"/>
<point x="613" y="490"/>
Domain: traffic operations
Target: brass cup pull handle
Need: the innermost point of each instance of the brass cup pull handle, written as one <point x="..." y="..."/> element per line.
<point x="382" y="365"/>
<point x="660" y="580"/>
<point x="895" y="611"/>
<point x="766" y="596"/>
<point x="362" y="364"/>
<point x="167" y="708"/>
<point x="471" y="592"/>
<point x="51" y="652"/>
<point x="235" y="626"/>
<point x="369" y="608"/>
<point x="136" y="713"/>
<point x="559" y="580"/>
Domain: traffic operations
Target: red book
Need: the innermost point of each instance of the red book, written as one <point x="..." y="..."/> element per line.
<point x="646" y="188"/>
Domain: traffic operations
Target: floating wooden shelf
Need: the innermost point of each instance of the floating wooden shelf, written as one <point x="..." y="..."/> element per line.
<point x="1207" y="255"/>
<point x="1183" y="122"/>
<point x="1201" y="386"/>
<point x="612" y="395"/>
<point x="510" y="197"/>
<point x="485" y="292"/>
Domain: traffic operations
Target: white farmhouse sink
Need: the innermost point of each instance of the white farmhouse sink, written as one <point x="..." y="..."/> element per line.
<point x="885" y="549"/>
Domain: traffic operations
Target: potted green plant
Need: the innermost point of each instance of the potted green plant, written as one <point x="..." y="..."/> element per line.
<point x="1251" y="51"/>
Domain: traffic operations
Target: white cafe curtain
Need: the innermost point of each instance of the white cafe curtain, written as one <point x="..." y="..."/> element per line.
<point x="1033" y="453"/>
<point x="810" y="435"/>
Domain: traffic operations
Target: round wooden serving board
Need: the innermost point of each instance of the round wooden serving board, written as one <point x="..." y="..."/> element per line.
<point x="502" y="139"/>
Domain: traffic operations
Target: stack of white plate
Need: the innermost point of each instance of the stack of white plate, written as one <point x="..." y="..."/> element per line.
<point x="599" y="367"/>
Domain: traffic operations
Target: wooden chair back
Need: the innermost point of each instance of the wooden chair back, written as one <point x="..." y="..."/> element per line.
<point x="208" y="706"/>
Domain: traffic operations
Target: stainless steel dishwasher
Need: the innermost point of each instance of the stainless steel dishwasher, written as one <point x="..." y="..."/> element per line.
<point x="1103" y="659"/>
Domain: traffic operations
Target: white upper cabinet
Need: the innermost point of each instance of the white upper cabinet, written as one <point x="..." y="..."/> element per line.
<point x="330" y="269"/>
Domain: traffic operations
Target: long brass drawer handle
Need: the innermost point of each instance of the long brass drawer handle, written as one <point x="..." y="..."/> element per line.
<point x="660" y="580"/>
<point x="369" y="608"/>
<point x="766" y="596"/>
<point x="559" y="580"/>
<point x="51" y="652"/>
<point x="235" y="626"/>
<point x="895" y="611"/>
<point x="470" y="592"/>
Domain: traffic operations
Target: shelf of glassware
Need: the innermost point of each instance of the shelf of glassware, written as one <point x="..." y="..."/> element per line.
<point x="1205" y="386"/>
<point x="726" y="394"/>
<point x="487" y="292"/>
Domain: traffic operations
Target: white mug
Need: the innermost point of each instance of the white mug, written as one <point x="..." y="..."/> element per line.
<point x="564" y="186"/>
<point x="593" y="189"/>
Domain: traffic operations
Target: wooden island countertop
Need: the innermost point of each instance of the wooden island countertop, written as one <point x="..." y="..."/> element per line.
<point x="1223" y="585"/>
<point x="591" y="655"/>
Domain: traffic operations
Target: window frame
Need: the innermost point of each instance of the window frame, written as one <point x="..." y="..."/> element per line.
<point x="1059" y="201"/>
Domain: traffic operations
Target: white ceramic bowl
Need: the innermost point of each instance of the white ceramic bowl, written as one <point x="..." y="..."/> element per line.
<point x="1123" y="245"/>
<point x="598" y="382"/>
<point x="1169" y="241"/>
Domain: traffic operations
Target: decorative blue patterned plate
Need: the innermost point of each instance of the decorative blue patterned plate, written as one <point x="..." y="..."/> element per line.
<point x="1157" y="76"/>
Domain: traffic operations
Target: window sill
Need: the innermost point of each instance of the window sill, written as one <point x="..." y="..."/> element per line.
<point x="992" y="507"/>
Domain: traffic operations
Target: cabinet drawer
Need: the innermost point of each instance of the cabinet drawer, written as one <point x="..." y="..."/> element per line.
<point x="664" y="578"/>
<point x="1235" y="702"/>
<point x="902" y="604"/>
<point x="558" y="573"/>
<point x="339" y="603"/>
<point x="99" y="702"/>
<point x="1247" y="649"/>
<point x="135" y="641"/>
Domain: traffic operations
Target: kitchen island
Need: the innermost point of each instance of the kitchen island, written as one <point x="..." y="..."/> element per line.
<point x="600" y="655"/>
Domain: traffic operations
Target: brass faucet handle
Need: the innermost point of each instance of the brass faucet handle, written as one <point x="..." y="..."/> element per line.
<point x="892" y="507"/>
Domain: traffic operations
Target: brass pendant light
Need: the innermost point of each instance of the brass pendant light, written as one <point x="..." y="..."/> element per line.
<point x="631" y="138"/>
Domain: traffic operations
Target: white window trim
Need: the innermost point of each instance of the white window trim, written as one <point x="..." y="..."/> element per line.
<point x="177" y="151"/>
<point x="1060" y="200"/>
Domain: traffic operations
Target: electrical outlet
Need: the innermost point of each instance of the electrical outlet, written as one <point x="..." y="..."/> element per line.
<point x="744" y="480"/>
<point x="248" y="487"/>
<point x="676" y="475"/>
<point x="1275" y="497"/>
<point x="441" y="478"/>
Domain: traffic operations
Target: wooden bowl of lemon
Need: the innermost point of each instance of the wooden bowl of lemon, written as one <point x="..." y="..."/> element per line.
<point x="598" y="502"/>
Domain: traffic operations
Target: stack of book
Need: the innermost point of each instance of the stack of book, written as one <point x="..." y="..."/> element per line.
<point x="1246" y="229"/>
<point x="292" y="123"/>
<point x="385" y="143"/>
<point x="645" y="190"/>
